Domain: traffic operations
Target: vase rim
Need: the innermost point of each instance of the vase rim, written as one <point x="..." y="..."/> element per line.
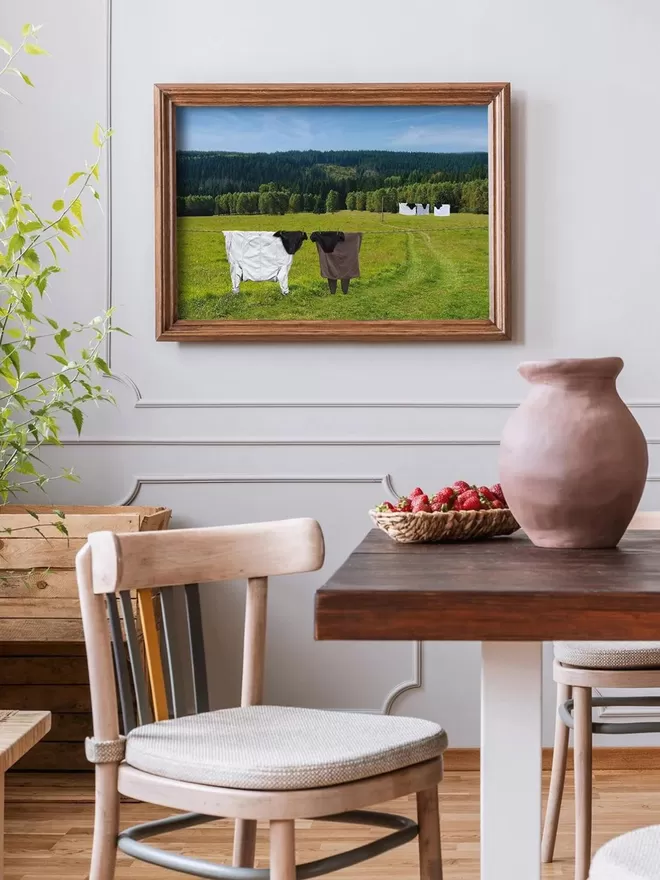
<point x="588" y="368"/>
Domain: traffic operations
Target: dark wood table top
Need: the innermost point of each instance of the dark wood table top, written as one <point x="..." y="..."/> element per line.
<point x="499" y="589"/>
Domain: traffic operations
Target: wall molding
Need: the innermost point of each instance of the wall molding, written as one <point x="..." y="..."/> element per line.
<point x="228" y="479"/>
<point x="144" y="403"/>
<point x="414" y="683"/>
<point x="286" y="441"/>
<point x="108" y="175"/>
<point x="275" y="441"/>
<point x="398" y="690"/>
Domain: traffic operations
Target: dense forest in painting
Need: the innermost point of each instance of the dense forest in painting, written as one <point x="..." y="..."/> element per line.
<point x="312" y="181"/>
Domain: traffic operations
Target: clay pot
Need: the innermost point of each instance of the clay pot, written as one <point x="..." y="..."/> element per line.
<point x="573" y="460"/>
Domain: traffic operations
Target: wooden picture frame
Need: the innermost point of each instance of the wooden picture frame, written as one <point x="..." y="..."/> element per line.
<point x="495" y="96"/>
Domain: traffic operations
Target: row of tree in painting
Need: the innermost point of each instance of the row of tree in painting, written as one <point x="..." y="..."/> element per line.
<point x="314" y="182"/>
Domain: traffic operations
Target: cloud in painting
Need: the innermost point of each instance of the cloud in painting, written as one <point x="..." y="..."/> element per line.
<point x="272" y="129"/>
<point x="441" y="138"/>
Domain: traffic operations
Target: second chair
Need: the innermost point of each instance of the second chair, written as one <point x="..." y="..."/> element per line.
<point x="579" y="669"/>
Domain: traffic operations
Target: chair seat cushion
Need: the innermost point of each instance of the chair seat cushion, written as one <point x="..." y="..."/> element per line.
<point x="633" y="856"/>
<point x="609" y="655"/>
<point x="281" y="748"/>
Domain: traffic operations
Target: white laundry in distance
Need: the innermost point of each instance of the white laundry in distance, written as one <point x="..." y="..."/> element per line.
<point x="257" y="256"/>
<point x="411" y="209"/>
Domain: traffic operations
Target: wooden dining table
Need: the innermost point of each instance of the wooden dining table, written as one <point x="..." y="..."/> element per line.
<point x="511" y="596"/>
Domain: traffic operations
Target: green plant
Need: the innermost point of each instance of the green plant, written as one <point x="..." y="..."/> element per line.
<point x="47" y="371"/>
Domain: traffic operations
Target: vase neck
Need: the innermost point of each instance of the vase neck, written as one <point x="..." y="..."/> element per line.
<point x="586" y="384"/>
<point x="575" y="374"/>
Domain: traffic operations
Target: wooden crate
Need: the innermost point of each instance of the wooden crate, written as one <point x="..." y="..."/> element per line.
<point x="42" y="651"/>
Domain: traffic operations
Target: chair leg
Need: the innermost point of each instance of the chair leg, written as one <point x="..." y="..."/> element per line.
<point x="428" y="819"/>
<point x="557" y="779"/>
<point x="106" y="823"/>
<point x="245" y="837"/>
<point x="283" y="850"/>
<point x="583" y="785"/>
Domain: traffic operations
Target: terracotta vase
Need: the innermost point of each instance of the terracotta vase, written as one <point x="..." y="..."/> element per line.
<point x="573" y="460"/>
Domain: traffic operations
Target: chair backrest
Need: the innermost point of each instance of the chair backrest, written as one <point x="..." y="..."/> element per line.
<point x="156" y="564"/>
<point x="645" y="520"/>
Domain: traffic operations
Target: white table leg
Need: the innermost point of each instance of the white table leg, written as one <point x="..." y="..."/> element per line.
<point x="511" y="761"/>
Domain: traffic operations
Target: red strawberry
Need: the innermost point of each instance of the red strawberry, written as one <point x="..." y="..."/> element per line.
<point x="468" y="500"/>
<point x="405" y="504"/>
<point x="487" y="493"/>
<point x="461" y="486"/>
<point x="497" y="504"/>
<point x="496" y="489"/>
<point x="444" y="496"/>
<point x="419" y="499"/>
<point x="422" y="507"/>
<point x="386" y="507"/>
<point x="439" y="507"/>
<point x="416" y="492"/>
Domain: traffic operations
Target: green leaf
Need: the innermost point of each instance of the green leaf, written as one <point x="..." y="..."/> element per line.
<point x="60" y="513"/>
<point x="75" y="176"/>
<point x="97" y="135"/>
<point x="16" y="243"/>
<point x="32" y="226"/>
<point x="62" y="241"/>
<point x="26" y="79"/>
<point x="26" y="29"/>
<point x="66" y="226"/>
<point x="76" y="210"/>
<point x="102" y="366"/>
<point x="6" y="47"/>
<point x="95" y="170"/>
<point x="53" y="323"/>
<point x="3" y="171"/>
<point x="51" y="249"/>
<point x="33" y="49"/>
<point x="58" y="204"/>
<point x="61" y="338"/>
<point x="78" y="418"/>
<point x="60" y="528"/>
<point x="32" y="513"/>
<point x="60" y="360"/>
<point x="31" y="260"/>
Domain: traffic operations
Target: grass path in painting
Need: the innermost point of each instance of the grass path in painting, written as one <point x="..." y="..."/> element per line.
<point x="412" y="268"/>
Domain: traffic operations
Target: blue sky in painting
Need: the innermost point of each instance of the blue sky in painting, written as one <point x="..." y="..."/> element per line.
<point x="273" y="129"/>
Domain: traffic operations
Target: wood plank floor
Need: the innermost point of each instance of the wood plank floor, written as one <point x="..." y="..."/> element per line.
<point x="49" y="824"/>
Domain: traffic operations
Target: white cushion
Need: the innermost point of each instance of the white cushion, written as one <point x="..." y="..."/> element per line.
<point x="281" y="748"/>
<point x="609" y="655"/>
<point x="633" y="856"/>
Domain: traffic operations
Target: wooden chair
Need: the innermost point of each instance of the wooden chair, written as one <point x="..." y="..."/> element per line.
<point x="578" y="668"/>
<point x="250" y="763"/>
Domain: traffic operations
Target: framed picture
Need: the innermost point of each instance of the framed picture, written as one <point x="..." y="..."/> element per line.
<point x="311" y="212"/>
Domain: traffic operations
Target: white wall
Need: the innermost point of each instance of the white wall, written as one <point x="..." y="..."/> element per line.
<point x="226" y="433"/>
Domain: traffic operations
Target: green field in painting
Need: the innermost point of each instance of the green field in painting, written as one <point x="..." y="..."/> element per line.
<point x="412" y="268"/>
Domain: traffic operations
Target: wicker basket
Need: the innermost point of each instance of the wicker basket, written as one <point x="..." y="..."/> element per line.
<point x="456" y="525"/>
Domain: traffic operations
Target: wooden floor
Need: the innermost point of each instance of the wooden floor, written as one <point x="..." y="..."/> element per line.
<point x="49" y="824"/>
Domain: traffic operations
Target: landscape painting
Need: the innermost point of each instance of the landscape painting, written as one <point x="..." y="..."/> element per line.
<point x="319" y="217"/>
